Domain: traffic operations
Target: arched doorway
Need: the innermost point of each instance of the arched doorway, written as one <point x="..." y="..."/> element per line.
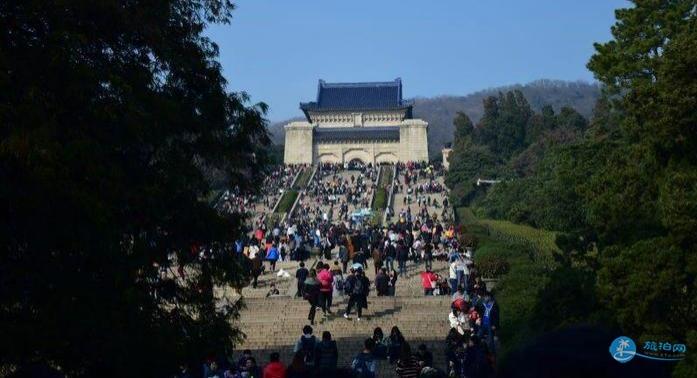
<point x="357" y="154"/>
<point x="328" y="158"/>
<point x="385" y="157"/>
<point x="355" y="164"/>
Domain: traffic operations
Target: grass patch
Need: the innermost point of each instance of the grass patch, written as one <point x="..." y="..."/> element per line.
<point x="286" y="201"/>
<point x="303" y="179"/>
<point x="465" y="216"/>
<point x="386" y="176"/>
<point x="380" y="199"/>
<point x="539" y="244"/>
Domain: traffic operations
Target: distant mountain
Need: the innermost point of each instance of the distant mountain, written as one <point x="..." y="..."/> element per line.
<point x="440" y="111"/>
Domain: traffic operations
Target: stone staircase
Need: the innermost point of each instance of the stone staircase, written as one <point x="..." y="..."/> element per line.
<point x="274" y="324"/>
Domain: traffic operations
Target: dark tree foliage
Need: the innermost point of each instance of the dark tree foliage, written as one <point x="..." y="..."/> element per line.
<point x="540" y="123"/>
<point x="468" y="161"/>
<point x="113" y="114"/>
<point x="623" y="188"/>
<point x="509" y="141"/>
<point x="502" y="127"/>
<point x="644" y="202"/>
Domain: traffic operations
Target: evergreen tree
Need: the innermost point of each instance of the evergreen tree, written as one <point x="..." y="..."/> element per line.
<point x="540" y="123"/>
<point x="113" y="115"/>
<point x="464" y="128"/>
<point x="571" y="120"/>
<point x="645" y="200"/>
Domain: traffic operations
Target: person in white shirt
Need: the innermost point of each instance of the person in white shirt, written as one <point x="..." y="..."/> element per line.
<point x="459" y="321"/>
<point x="253" y="250"/>
<point x="460" y="269"/>
<point x="452" y="277"/>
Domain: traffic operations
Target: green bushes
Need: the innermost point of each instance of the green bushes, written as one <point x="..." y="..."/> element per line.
<point x="493" y="267"/>
<point x="303" y="178"/>
<point x="386" y="176"/>
<point x="541" y="243"/>
<point x="380" y="199"/>
<point x="512" y="254"/>
<point x="286" y="201"/>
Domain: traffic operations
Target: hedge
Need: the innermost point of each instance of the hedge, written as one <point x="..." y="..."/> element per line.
<point x="286" y="201"/>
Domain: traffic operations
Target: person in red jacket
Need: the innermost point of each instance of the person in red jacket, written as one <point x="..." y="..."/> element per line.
<point x="275" y="368"/>
<point x="259" y="234"/>
<point x="325" y="278"/>
<point x="427" y="279"/>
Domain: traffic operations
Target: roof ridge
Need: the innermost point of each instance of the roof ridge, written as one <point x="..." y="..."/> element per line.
<point x="395" y="82"/>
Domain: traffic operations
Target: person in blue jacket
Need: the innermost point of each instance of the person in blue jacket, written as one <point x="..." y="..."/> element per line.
<point x="272" y="256"/>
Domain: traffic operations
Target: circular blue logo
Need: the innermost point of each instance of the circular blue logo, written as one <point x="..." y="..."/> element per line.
<point x="623" y="349"/>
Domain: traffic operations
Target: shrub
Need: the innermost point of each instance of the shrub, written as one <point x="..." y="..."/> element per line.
<point x="492" y="267"/>
<point x="380" y="199"/>
<point x="303" y="178"/>
<point x="469" y="240"/>
<point x="286" y="201"/>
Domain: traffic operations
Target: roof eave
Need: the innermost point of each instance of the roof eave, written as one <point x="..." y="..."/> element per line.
<point x="317" y="109"/>
<point x="305" y="107"/>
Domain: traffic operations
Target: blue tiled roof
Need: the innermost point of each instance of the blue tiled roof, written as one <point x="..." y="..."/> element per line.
<point x="343" y="134"/>
<point x="357" y="96"/>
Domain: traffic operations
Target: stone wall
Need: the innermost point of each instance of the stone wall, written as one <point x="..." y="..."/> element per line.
<point x="298" y="147"/>
<point x="301" y="149"/>
<point x="413" y="140"/>
<point x="365" y="118"/>
<point x="367" y="152"/>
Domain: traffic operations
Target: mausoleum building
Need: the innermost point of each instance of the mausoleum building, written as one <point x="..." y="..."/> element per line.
<point x="369" y="122"/>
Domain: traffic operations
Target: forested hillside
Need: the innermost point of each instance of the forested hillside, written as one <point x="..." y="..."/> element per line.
<point x="619" y="189"/>
<point x="440" y="111"/>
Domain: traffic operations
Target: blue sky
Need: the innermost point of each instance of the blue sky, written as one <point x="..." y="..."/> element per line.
<point x="276" y="50"/>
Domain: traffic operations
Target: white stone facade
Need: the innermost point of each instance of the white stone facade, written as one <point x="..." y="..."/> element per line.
<point x="300" y="148"/>
<point x="365" y="121"/>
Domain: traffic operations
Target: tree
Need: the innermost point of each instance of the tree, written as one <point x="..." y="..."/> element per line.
<point x="539" y="124"/>
<point x="113" y="113"/>
<point x="468" y="162"/>
<point x="644" y="202"/>
<point x="463" y="128"/>
<point x="502" y="127"/>
<point x="570" y="119"/>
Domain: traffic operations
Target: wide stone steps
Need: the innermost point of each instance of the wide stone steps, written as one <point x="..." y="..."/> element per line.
<point x="275" y="324"/>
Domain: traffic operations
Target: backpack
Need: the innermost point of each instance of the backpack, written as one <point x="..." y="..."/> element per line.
<point x="349" y="283"/>
<point x="310" y="291"/>
<point x="307" y="347"/>
<point x="358" y="286"/>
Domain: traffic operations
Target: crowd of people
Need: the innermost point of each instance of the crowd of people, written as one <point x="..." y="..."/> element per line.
<point x="235" y="201"/>
<point x="343" y="250"/>
<point x="335" y="191"/>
